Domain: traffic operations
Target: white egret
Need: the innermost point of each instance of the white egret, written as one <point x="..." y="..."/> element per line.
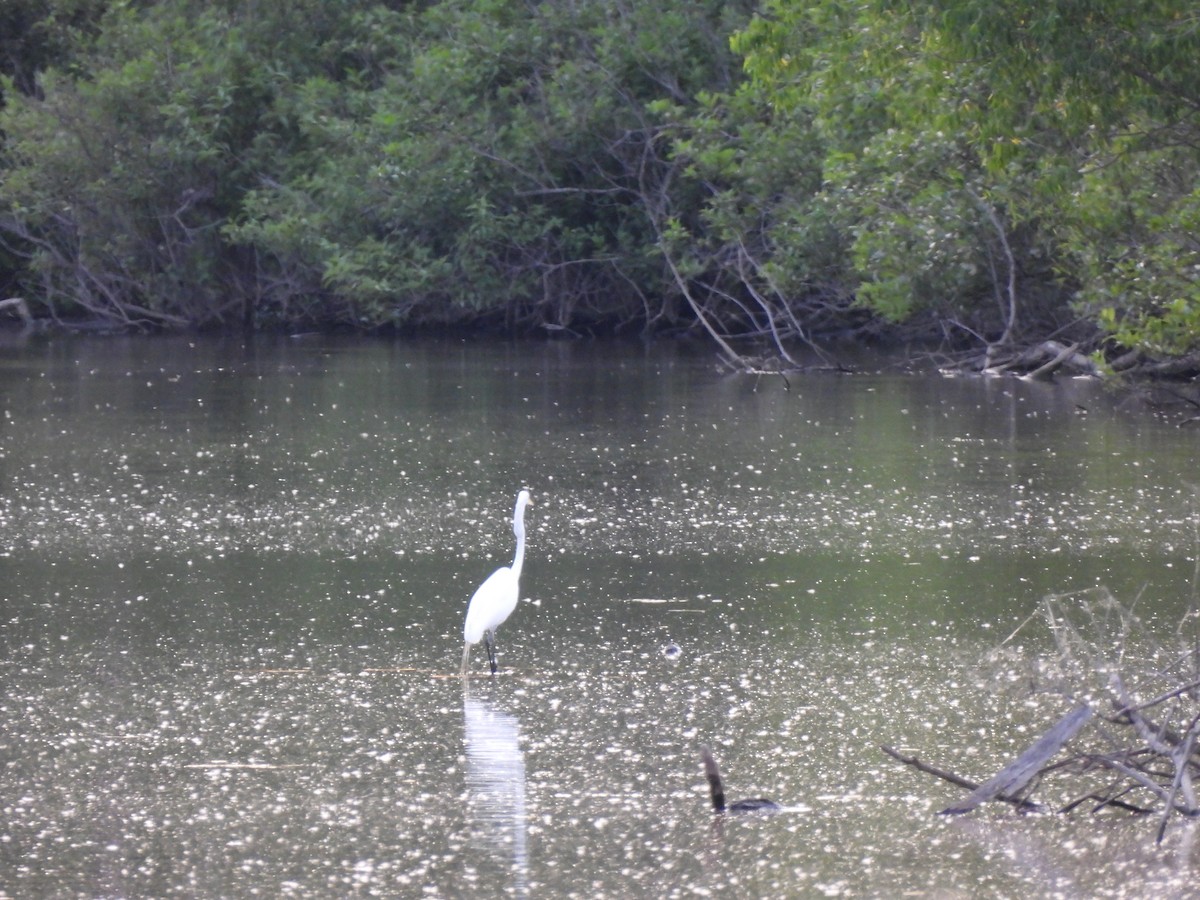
<point x="496" y="598"/>
<point x="717" y="788"/>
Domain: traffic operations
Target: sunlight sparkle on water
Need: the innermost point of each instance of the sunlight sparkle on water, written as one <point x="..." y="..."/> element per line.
<point x="230" y="645"/>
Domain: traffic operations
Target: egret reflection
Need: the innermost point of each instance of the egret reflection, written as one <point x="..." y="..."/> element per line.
<point x="496" y="785"/>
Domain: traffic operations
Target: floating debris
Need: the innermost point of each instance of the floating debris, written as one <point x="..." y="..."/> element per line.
<point x="1141" y="756"/>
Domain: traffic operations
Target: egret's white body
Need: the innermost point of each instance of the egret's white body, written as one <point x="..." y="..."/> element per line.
<point x="496" y="598"/>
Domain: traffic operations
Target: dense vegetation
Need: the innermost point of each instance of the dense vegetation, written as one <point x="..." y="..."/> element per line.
<point x="787" y="169"/>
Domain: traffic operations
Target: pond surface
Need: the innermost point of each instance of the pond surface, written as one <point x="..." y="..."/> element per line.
<point x="234" y="575"/>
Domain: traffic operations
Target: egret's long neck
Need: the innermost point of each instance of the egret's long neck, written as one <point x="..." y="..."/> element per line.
<point x="519" y="531"/>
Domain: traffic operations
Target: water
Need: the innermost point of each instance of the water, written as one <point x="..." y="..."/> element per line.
<point x="234" y="579"/>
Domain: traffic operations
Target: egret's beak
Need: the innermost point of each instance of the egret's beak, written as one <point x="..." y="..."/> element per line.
<point x="466" y="658"/>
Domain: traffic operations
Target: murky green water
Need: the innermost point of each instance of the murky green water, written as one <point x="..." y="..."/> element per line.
<point x="234" y="579"/>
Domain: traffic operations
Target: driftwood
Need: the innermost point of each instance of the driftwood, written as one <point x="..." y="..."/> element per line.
<point x="1144" y="756"/>
<point x="1043" y="361"/>
<point x="1014" y="777"/>
<point x="1137" y="364"/>
<point x="1061" y="356"/>
<point x="1179" y="369"/>
<point x="22" y="308"/>
<point x="957" y="780"/>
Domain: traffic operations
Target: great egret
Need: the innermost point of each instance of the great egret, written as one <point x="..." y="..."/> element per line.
<point x="496" y="598"/>
<point x="713" y="774"/>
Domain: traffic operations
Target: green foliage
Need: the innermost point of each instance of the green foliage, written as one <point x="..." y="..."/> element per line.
<point x="1003" y="167"/>
<point x="37" y="34"/>
<point x="975" y="153"/>
<point x="1135" y="243"/>
<point x="117" y="184"/>
<point x="502" y="168"/>
<point x="852" y="178"/>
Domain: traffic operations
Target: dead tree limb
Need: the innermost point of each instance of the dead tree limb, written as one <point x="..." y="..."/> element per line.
<point x="22" y="308"/>
<point x="1016" y="775"/>
<point x="1182" y="781"/>
<point x="1061" y="355"/>
<point x="957" y="780"/>
<point x="1144" y="757"/>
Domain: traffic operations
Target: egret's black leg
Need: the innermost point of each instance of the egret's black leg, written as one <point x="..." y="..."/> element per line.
<point x="491" y="649"/>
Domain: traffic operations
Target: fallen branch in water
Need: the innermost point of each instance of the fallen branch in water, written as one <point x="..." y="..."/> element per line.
<point x="1016" y="775"/>
<point x="21" y="307"/>
<point x="957" y="780"/>
<point x="1145" y="751"/>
